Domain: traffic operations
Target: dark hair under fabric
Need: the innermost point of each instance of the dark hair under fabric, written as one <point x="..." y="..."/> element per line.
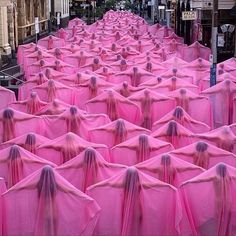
<point x="8" y="113"/>
<point x="172" y="129"/>
<point x="73" y="110"/>
<point x="221" y="170"/>
<point x="15" y="166"/>
<point x="47" y="185"/>
<point x="165" y="160"/>
<point x="201" y="146"/>
<point x="178" y="112"/>
<point x="143" y="151"/>
<point x="8" y="125"/>
<point x="30" y="142"/>
<point x="120" y="131"/>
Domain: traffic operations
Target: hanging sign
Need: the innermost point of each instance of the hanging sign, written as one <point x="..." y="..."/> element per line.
<point x="189" y="15"/>
<point x="36" y="22"/>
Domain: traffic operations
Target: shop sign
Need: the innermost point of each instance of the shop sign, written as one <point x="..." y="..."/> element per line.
<point x="189" y="15"/>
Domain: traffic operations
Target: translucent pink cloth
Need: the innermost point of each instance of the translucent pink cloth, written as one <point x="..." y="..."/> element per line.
<point x="182" y="117"/>
<point x="46" y="194"/>
<point x="164" y="31"/>
<point x="153" y="106"/>
<point x="126" y="89"/>
<point x="31" y="105"/>
<point x="73" y="120"/>
<point x="138" y="149"/>
<point x="115" y="132"/>
<point x="230" y="62"/>
<point x="174" y="62"/>
<point x="14" y="123"/>
<point x="80" y="58"/>
<point x="172" y="84"/>
<point x="174" y="133"/>
<point x="205" y="155"/>
<point x="51" y="42"/>
<point x="17" y="163"/>
<point x="55" y="107"/>
<point x="222" y="137"/>
<point x="172" y="36"/>
<point x="6" y="96"/>
<point x="198" y="68"/>
<point x="51" y="90"/>
<point x="88" y="168"/>
<point x="140" y="205"/>
<point x="169" y="169"/>
<point x="135" y="78"/>
<point x="208" y="201"/>
<point x="178" y="74"/>
<point x="115" y="106"/>
<point x="89" y="90"/>
<point x="68" y="146"/>
<point x="195" y="51"/>
<point x="75" y="79"/>
<point x="221" y="97"/>
<point x="2" y="215"/>
<point x="50" y="73"/>
<point x="224" y="67"/>
<point x="60" y="66"/>
<point x="205" y="81"/>
<point x="191" y="103"/>
<point x="28" y="141"/>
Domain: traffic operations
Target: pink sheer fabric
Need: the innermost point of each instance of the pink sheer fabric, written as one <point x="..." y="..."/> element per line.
<point x="221" y="97"/>
<point x="205" y="155"/>
<point x="153" y="106"/>
<point x="198" y="68"/>
<point x="138" y="149"/>
<point x="89" y="90"/>
<point x="55" y="107"/>
<point x="6" y="96"/>
<point x="195" y="51"/>
<point x="2" y="213"/>
<point x="212" y="211"/>
<point x="14" y="123"/>
<point x="140" y="205"/>
<point x="75" y="79"/>
<point x="115" y="132"/>
<point x="125" y="89"/>
<point x="177" y="73"/>
<point x="73" y="120"/>
<point x="205" y="81"/>
<point x="174" y="133"/>
<point x="134" y="76"/>
<point x="51" y="42"/>
<point x="51" y="90"/>
<point x="28" y="141"/>
<point x="169" y="169"/>
<point x="17" y="163"/>
<point x="80" y="58"/>
<point x="115" y="106"/>
<point x="182" y="117"/>
<point x="66" y="147"/>
<point x="60" y="66"/>
<point x="222" y="137"/>
<point x="174" y="62"/>
<point x="172" y="36"/>
<point x="46" y="194"/>
<point x="88" y="168"/>
<point x="32" y="105"/>
<point x="172" y="84"/>
<point x="191" y="102"/>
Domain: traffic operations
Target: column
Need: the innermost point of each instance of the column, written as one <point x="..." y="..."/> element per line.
<point x="4" y="42"/>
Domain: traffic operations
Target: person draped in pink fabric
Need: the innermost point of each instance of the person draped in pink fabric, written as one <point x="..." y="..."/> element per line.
<point x="219" y="212"/>
<point x="142" y="149"/>
<point x="115" y="132"/>
<point x="8" y="124"/>
<point x="169" y="169"/>
<point x="87" y="169"/>
<point x="17" y="163"/>
<point x="205" y="155"/>
<point x="181" y="116"/>
<point x="222" y="137"/>
<point x="46" y="192"/>
<point x="132" y="192"/>
<point x="175" y="134"/>
<point x="221" y="97"/>
<point x="32" y="105"/>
